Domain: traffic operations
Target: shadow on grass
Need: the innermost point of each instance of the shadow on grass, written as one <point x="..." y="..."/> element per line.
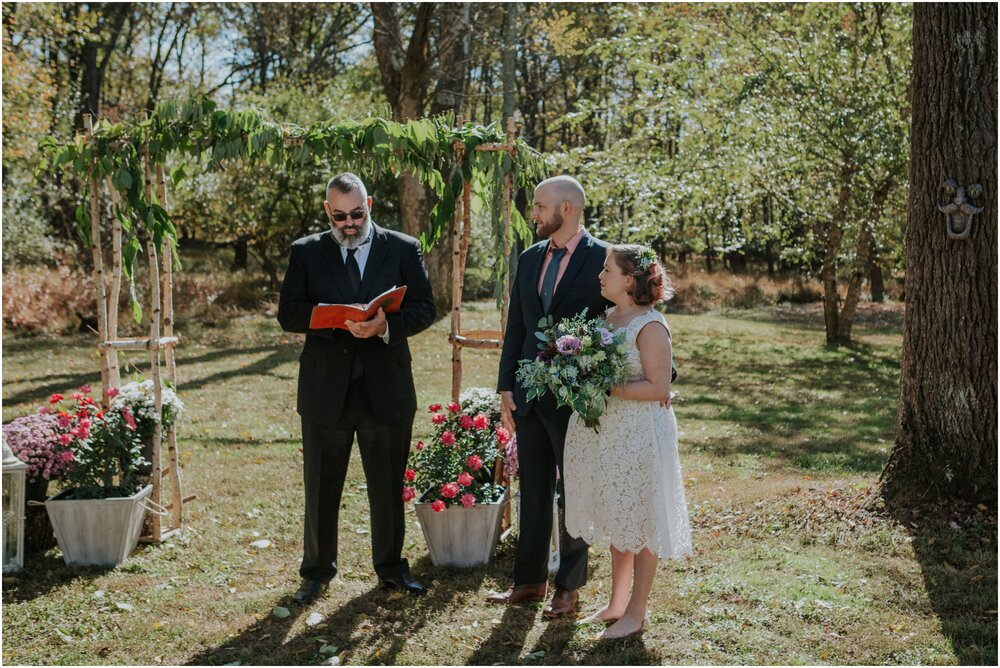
<point x="506" y="639"/>
<point x="279" y="354"/>
<point x="960" y="572"/>
<point x="261" y="643"/>
<point x="812" y="408"/>
<point x="886" y="318"/>
<point x="61" y="382"/>
<point x="372" y="627"/>
<point x="44" y="573"/>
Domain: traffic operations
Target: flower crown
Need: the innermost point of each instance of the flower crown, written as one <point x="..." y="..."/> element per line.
<point x="645" y="259"/>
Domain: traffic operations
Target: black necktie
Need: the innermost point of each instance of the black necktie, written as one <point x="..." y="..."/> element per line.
<point x="354" y="273"/>
<point x="549" y="282"/>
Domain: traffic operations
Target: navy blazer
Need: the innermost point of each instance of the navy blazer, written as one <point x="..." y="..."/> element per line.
<point x="317" y="274"/>
<point x="579" y="290"/>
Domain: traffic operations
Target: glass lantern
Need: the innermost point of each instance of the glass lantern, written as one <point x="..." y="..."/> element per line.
<point x="13" y="510"/>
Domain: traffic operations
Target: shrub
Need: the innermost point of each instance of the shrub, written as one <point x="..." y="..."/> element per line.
<point x="45" y="299"/>
<point x="747" y="296"/>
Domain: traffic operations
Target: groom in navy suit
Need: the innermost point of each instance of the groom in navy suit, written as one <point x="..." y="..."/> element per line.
<point x="355" y="382"/>
<point x="557" y="277"/>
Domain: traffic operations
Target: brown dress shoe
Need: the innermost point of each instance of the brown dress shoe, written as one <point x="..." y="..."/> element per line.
<point x="519" y="594"/>
<point x="563" y="603"/>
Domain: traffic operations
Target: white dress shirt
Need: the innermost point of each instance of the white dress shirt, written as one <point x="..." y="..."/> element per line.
<point x="361" y="255"/>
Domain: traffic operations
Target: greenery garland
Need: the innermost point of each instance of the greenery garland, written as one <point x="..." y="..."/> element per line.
<point x="215" y="137"/>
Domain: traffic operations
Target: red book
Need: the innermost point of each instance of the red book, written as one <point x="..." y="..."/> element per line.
<point x="327" y="316"/>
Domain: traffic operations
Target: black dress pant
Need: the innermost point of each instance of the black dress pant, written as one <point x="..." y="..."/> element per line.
<point x="327" y="452"/>
<point x="541" y="436"/>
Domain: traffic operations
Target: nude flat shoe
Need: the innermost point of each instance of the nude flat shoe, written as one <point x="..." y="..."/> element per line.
<point x="638" y="632"/>
<point x="594" y="619"/>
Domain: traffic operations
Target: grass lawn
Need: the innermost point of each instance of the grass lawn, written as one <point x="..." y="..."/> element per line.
<point x="781" y="438"/>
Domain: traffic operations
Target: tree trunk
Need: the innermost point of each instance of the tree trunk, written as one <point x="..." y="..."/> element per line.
<point x="405" y="75"/>
<point x="875" y="281"/>
<point x="946" y="437"/>
<point x="508" y="65"/>
<point x="831" y="234"/>
<point x="453" y="52"/>
<point x="95" y="54"/>
<point x="862" y="258"/>
<point x="239" y="254"/>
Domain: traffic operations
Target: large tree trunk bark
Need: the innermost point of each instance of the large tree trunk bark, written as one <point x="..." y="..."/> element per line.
<point x="946" y="438"/>
<point x="454" y="33"/>
<point x="405" y="74"/>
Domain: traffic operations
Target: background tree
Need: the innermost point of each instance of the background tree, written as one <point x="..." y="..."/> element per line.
<point x="946" y="440"/>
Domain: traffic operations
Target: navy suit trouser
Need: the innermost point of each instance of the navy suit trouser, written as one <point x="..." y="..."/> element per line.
<point x="541" y="435"/>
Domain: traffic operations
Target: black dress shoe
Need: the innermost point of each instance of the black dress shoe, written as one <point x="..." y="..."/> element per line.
<point x="404" y="582"/>
<point x="309" y="591"/>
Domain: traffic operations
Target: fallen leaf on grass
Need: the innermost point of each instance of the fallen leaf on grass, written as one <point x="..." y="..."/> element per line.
<point x="66" y="638"/>
<point x="328" y="650"/>
<point x="535" y="656"/>
<point x="395" y="596"/>
<point x="280" y="612"/>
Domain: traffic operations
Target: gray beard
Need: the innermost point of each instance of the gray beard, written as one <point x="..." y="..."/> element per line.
<point x="352" y="241"/>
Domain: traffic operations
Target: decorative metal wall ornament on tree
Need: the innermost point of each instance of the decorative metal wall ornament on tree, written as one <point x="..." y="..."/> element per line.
<point x="456" y="161"/>
<point x="959" y="211"/>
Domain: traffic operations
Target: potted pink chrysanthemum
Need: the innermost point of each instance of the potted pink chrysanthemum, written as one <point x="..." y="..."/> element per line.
<point x="451" y="478"/>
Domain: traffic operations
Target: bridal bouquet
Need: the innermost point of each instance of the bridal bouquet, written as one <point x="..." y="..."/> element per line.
<point x="579" y="361"/>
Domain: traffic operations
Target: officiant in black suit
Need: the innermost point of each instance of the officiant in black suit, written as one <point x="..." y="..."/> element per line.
<point x="557" y="277"/>
<point x="357" y="382"/>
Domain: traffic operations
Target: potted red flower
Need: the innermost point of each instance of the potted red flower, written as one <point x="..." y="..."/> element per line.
<point x="451" y="477"/>
<point x="97" y="518"/>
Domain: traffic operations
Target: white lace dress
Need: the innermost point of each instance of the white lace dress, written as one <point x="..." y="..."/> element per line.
<point x="623" y="485"/>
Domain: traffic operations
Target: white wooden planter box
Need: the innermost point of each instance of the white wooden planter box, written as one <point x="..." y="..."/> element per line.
<point x="98" y="532"/>
<point x="460" y="536"/>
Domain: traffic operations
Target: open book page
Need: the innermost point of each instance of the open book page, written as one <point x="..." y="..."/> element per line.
<point x="327" y="316"/>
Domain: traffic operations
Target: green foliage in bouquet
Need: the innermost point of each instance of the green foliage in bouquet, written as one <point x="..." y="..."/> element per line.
<point x="579" y="361"/>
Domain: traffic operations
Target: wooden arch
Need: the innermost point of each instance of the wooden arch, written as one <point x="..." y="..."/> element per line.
<point x="128" y="162"/>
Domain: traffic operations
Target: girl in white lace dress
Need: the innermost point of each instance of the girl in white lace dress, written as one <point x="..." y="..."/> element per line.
<point x="623" y="484"/>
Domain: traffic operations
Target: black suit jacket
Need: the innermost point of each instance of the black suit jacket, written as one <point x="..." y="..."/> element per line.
<point x="317" y="274"/>
<point x="579" y="290"/>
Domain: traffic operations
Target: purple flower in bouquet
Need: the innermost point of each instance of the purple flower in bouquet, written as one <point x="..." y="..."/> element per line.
<point x="510" y="452"/>
<point x="568" y="345"/>
<point x="579" y="361"/>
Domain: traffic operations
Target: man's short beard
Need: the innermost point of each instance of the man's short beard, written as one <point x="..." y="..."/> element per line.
<point x="353" y="241"/>
<point x="547" y="229"/>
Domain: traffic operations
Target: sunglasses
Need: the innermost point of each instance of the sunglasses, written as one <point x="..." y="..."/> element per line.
<point x="340" y="217"/>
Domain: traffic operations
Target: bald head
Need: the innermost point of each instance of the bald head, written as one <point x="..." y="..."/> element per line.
<point x="557" y="210"/>
<point x="564" y="189"/>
